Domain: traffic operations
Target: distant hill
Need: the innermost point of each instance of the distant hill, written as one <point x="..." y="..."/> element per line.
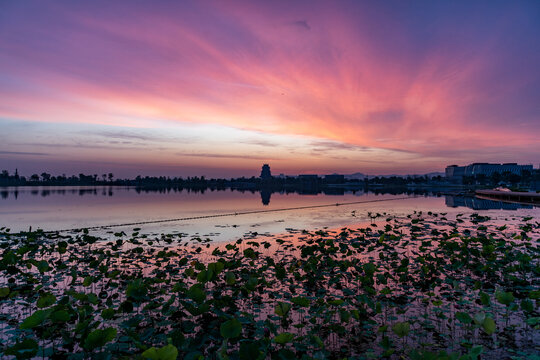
<point x="362" y="176"/>
<point x="357" y="175"/>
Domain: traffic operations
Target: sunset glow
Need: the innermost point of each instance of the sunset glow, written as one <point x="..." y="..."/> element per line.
<point x="218" y="88"/>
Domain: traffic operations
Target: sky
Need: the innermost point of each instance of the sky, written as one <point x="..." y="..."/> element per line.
<point x="218" y="88"/>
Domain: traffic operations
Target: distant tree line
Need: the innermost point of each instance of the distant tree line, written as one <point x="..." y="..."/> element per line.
<point x="404" y="181"/>
<point x="50" y="180"/>
<point x="308" y="183"/>
<point x="46" y="179"/>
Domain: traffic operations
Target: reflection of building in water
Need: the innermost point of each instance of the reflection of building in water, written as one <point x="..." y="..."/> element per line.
<point x="334" y="191"/>
<point x="482" y="204"/>
<point x="265" y="196"/>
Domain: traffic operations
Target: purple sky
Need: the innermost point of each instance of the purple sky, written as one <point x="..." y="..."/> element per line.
<point x="218" y="88"/>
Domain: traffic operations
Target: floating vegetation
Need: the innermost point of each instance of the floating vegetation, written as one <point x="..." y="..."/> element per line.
<point x="418" y="287"/>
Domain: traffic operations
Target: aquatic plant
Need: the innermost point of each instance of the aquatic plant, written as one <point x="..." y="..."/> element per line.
<point x="418" y="287"/>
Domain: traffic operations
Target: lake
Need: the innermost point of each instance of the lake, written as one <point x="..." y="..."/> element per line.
<point x="446" y="274"/>
<point x="61" y="208"/>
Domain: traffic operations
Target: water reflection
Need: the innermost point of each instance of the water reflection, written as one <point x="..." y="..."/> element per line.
<point x="14" y="193"/>
<point x="482" y="204"/>
<point x="265" y="194"/>
<point x="54" y="208"/>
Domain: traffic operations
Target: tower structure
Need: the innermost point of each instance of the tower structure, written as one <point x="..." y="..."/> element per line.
<point x="265" y="172"/>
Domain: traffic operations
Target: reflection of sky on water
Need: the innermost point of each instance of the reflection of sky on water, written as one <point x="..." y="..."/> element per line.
<point x="483" y="204"/>
<point x="66" y="208"/>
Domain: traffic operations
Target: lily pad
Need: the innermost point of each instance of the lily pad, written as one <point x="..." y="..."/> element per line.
<point x="99" y="338"/>
<point x="231" y="329"/>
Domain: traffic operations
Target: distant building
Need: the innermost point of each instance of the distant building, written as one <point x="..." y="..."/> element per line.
<point x="456" y="173"/>
<point x="334" y="179"/>
<point x="265" y="172"/>
<point x="308" y="177"/>
<point x="308" y="181"/>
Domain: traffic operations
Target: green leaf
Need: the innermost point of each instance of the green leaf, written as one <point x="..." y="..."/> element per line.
<point x="126" y="307"/>
<point x="230" y="329"/>
<point x="475" y="352"/>
<point x="250" y="253"/>
<point x="484" y="298"/>
<point x="504" y="298"/>
<point x="317" y="341"/>
<point x="464" y="317"/>
<point x="4" y="292"/>
<point x="88" y="281"/>
<point x="527" y="305"/>
<point x="282" y="309"/>
<point x="204" y="276"/>
<point x="60" y="316"/>
<point x="42" y="266"/>
<point x="401" y="329"/>
<point x="344" y="315"/>
<point x="386" y="343"/>
<point x="489" y="326"/>
<point x="230" y="279"/>
<point x="25" y="349"/>
<point x="284" y="338"/>
<point x="216" y="267"/>
<point x="167" y="352"/>
<point x="382" y="328"/>
<point x="249" y="350"/>
<point x="137" y="290"/>
<point x="35" y="319"/>
<point x="108" y="314"/>
<point x="479" y="318"/>
<point x="92" y="298"/>
<point x="46" y="300"/>
<point x="369" y="268"/>
<point x="98" y="338"/>
<point x="336" y="302"/>
<point x="280" y="272"/>
<point x="252" y="282"/>
<point x="300" y="301"/>
<point x="196" y="292"/>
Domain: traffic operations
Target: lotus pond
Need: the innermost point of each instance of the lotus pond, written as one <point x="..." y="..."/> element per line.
<point x="422" y="286"/>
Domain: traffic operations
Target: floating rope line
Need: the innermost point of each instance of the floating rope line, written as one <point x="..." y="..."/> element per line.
<point x="99" y="227"/>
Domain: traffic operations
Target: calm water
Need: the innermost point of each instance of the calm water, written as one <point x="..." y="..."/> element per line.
<point x="58" y="208"/>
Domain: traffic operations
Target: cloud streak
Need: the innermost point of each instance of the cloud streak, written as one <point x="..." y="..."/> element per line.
<point x="227" y="156"/>
<point x="22" y="153"/>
